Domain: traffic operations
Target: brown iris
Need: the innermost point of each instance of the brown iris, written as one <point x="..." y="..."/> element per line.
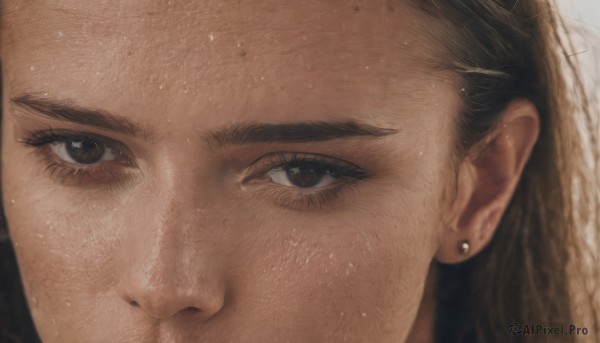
<point x="305" y="176"/>
<point x="85" y="150"/>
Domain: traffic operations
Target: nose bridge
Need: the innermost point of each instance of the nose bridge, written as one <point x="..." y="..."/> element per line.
<point x="171" y="268"/>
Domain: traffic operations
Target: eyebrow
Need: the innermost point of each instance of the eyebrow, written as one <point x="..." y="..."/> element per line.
<point x="235" y="134"/>
<point x="64" y="111"/>
<point x="311" y="131"/>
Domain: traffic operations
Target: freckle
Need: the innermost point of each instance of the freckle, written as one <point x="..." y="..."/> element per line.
<point x="356" y="9"/>
<point x="242" y="53"/>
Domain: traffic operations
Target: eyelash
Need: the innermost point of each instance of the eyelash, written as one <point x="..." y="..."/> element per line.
<point x="67" y="173"/>
<point x="313" y="199"/>
<point x="347" y="175"/>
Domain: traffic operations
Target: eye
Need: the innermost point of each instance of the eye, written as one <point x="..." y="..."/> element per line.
<point x="303" y="175"/>
<point x="303" y="181"/>
<point x="83" y="150"/>
<point x="79" y="159"/>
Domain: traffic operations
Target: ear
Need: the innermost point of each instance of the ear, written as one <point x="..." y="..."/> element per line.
<point x="487" y="178"/>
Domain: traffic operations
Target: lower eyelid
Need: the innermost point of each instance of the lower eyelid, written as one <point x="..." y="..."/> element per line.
<point x="97" y="174"/>
<point x="295" y="198"/>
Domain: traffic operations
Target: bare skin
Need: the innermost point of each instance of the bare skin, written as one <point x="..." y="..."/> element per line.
<point x="179" y="234"/>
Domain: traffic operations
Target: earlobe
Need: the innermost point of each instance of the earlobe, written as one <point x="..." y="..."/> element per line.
<point x="487" y="180"/>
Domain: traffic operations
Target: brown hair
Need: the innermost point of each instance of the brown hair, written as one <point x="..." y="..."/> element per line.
<point x="538" y="269"/>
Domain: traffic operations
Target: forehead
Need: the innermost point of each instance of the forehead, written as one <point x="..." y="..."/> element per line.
<point x="149" y="51"/>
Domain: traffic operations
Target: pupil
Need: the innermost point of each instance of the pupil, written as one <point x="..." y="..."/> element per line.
<point x="304" y="177"/>
<point x="85" y="151"/>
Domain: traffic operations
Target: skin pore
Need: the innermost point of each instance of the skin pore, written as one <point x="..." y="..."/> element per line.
<point x="188" y="228"/>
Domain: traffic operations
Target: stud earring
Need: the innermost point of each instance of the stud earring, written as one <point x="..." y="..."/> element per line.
<point x="464" y="247"/>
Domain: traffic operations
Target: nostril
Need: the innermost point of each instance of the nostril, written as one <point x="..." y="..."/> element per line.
<point x="191" y="309"/>
<point x="134" y="303"/>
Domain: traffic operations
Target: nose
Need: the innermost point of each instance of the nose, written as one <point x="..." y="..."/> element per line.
<point x="170" y="269"/>
<point x="161" y="294"/>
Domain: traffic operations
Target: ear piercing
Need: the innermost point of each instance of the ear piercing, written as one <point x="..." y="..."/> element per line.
<point x="464" y="247"/>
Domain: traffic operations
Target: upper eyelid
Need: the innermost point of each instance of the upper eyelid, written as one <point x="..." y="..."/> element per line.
<point x="279" y="159"/>
<point x="282" y="158"/>
<point x="62" y="133"/>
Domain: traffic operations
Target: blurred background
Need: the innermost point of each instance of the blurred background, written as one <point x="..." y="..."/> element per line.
<point x="583" y="18"/>
<point x="585" y="11"/>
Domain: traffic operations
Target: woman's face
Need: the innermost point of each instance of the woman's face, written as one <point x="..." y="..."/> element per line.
<point x="181" y="171"/>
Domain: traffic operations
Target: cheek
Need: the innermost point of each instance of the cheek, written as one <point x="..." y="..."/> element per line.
<point x="64" y="242"/>
<point x="361" y="275"/>
<point x="67" y="262"/>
